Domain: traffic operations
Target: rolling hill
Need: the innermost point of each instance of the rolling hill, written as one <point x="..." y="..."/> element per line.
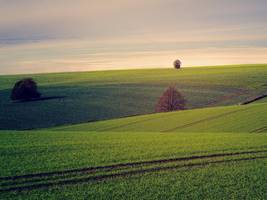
<point x="219" y="143"/>
<point x="245" y="118"/>
<point x="95" y="96"/>
<point x="203" y="153"/>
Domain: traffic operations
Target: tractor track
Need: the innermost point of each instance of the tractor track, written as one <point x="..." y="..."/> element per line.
<point x="131" y="123"/>
<point x="224" y="98"/>
<point x="260" y="130"/>
<point x="130" y="164"/>
<point x="206" y="119"/>
<point x="91" y="172"/>
<point x="172" y="129"/>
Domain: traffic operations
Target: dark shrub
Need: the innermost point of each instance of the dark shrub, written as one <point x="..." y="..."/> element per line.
<point x="177" y="64"/>
<point x="171" y="100"/>
<point x="25" y="89"/>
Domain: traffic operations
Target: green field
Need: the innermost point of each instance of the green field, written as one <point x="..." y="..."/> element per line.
<point x="250" y="118"/>
<point x="232" y="155"/>
<point x="236" y="180"/>
<point x="264" y="100"/>
<point x="216" y="152"/>
<point x="141" y="165"/>
<point x="94" y="96"/>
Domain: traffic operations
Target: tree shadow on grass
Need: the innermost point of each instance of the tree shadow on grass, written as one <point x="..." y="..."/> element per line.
<point x="40" y="99"/>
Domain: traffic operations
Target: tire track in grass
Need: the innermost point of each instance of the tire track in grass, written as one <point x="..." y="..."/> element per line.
<point x="130" y="164"/>
<point x="123" y="174"/>
<point x="205" y="120"/>
<point x="132" y="123"/>
<point x="126" y="124"/>
<point x="80" y="172"/>
<point x="164" y="116"/>
<point x="92" y="171"/>
<point x="260" y="130"/>
<point x="158" y="117"/>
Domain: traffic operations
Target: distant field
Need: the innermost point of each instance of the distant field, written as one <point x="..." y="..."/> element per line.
<point x="94" y="96"/>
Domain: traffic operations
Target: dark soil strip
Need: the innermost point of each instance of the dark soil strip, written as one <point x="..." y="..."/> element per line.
<point x="122" y="174"/>
<point x="132" y="164"/>
<point x="254" y="99"/>
<point x="204" y="120"/>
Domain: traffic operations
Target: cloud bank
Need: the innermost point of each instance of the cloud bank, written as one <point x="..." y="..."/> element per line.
<point x="58" y="35"/>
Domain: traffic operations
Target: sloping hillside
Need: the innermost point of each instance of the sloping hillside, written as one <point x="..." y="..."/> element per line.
<point x="94" y="96"/>
<point x="246" y="118"/>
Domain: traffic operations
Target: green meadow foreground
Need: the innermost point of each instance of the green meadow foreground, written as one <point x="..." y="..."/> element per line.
<point x="217" y="150"/>
<point x="144" y="157"/>
<point x="94" y="96"/>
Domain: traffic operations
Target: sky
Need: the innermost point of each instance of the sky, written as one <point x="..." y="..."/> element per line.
<point x="84" y="35"/>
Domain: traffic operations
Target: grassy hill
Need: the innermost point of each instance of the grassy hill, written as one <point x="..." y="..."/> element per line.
<point x="94" y="96"/>
<point x="264" y="100"/>
<point x="148" y="155"/>
<point x="203" y="153"/>
<point x="246" y="118"/>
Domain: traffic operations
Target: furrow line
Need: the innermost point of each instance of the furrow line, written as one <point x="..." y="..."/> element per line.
<point x="204" y="120"/>
<point x="122" y="174"/>
<point x="130" y="164"/>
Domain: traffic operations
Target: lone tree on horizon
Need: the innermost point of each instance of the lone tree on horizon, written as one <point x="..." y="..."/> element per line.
<point x="25" y="89"/>
<point x="171" y="100"/>
<point x="177" y="64"/>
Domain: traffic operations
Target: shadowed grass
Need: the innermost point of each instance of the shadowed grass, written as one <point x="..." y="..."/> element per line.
<point x="94" y="96"/>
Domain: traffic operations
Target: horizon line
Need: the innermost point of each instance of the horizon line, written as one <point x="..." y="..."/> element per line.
<point x="132" y="69"/>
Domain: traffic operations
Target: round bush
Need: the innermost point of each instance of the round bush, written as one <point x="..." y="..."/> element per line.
<point x="25" y="89"/>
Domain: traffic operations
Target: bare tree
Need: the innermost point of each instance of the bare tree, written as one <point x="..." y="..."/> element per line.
<point x="171" y="100"/>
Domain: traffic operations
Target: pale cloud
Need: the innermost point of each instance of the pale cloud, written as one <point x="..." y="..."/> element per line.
<point x="79" y="57"/>
<point x="31" y="19"/>
<point x="58" y="35"/>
